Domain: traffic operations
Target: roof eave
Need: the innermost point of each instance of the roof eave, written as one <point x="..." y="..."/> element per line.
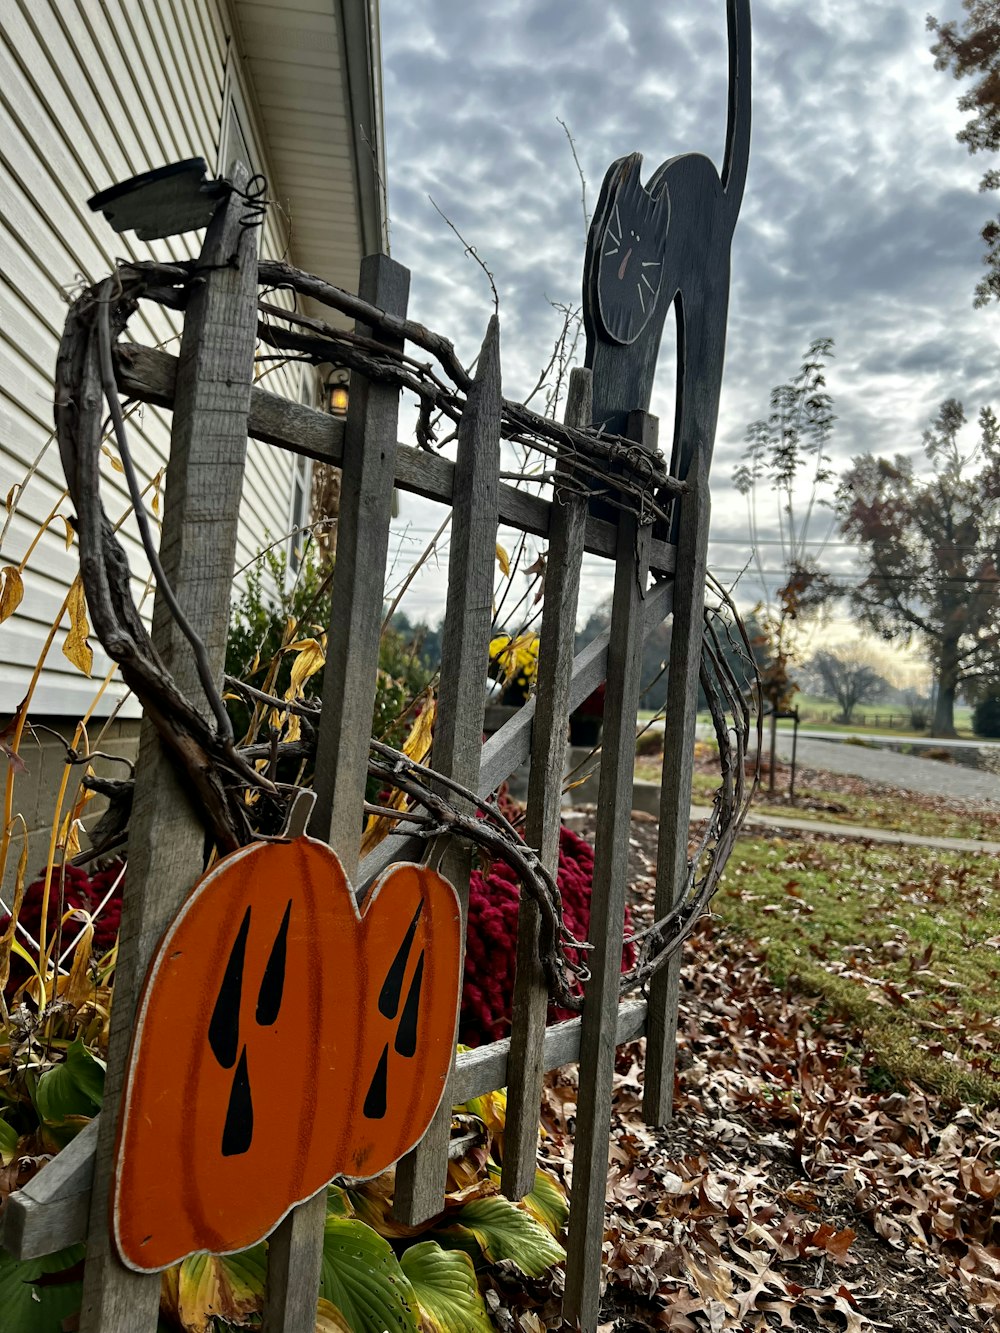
<point x="361" y="43"/>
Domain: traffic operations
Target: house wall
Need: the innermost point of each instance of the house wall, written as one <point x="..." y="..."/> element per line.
<point x="92" y="92"/>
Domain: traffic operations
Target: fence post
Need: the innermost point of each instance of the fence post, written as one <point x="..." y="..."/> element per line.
<point x="349" y="682"/>
<point x="607" y="912"/>
<point x="198" y="550"/>
<point x="421" y="1177"/>
<point x="548" y="758"/>
<point x="678" y="768"/>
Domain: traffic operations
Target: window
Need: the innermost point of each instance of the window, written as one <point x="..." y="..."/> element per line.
<point x="301" y="484"/>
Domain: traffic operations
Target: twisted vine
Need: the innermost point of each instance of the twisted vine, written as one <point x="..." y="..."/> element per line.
<point x="219" y="770"/>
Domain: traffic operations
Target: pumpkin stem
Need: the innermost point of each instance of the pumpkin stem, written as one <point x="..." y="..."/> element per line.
<point x="298" y="814"/>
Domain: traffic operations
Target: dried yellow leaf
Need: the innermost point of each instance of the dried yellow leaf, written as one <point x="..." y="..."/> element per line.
<point x="7" y="940"/>
<point x="76" y="648"/>
<point x="503" y="560"/>
<point x="69" y="531"/>
<point x="115" y="462"/>
<point x="417" y="746"/>
<point x="309" y="658"/>
<point x="12" y="496"/>
<point x="80" y="984"/>
<point x="329" y="1319"/>
<point x="69" y="837"/>
<point x="11" y="591"/>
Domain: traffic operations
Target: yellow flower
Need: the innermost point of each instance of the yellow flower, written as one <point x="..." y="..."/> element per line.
<point x="516" y="659"/>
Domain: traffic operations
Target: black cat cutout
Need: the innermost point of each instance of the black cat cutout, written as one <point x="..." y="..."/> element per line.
<point x="661" y="244"/>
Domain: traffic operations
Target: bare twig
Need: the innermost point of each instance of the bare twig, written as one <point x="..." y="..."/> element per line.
<point x="473" y="253"/>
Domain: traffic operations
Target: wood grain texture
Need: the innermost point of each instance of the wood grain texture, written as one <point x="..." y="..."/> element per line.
<point x="201" y="507"/>
<point x="51" y="1211"/>
<point x="351" y="671"/>
<point x="607" y="915"/>
<point x="488" y="1067"/>
<point x="675" y="791"/>
<point x="544" y="811"/>
<point x="458" y="731"/>
<point x="148" y="374"/>
<point x="368" y="462"/>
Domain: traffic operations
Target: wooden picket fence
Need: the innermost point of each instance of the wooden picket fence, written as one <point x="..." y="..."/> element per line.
<point x="210" y="389"/>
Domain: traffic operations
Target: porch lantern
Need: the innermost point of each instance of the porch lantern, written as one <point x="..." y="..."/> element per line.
<point x="336" y="392"/>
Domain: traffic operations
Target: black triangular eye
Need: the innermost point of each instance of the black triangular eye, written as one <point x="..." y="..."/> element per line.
<point x="388" y="1000"/>
<point x="406" y="1033"/>
<point x="224" y="1027"/>
<point x="272" y="983"/>
<point x="237" y="1133"/>
<point x="378" y="1092"/>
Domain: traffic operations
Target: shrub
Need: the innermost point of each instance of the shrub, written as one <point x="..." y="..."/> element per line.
<point x="491" y="949"/>
<point x="986" y="715"/>
<point x="649" y="742"/>
<point x="85" y="892"/>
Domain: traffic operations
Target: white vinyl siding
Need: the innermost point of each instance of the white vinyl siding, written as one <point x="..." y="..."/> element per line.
<point x="92" y="92"/>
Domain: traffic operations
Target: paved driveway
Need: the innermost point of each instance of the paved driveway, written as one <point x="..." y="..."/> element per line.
<point x="930" y="776"/>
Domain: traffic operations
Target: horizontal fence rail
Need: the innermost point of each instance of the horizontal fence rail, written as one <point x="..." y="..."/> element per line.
<point x="148" y="374"/>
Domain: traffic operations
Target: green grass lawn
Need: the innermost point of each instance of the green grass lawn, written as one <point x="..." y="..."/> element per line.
<point x="818" y="714"/>
<point x="903" y="941"/>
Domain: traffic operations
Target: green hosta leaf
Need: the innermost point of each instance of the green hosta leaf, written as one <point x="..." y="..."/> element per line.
<point x="72" y="1089"/>
<point x="27" y="1308"/>
<point x="8" y="1143"/>
<point x="444" y="1283"/>
<point x="504" y="1231"/>
<point x="361" y="1276"/>
<point x="547" y="1202"/>
<point x="206" y="1288"/>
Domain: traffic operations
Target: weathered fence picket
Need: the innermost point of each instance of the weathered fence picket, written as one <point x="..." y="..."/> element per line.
<point x="675" y="791"/>
<point x="368" y="468"/>
<point x="548" y="759"/>
<point x="607" y="910"/>
<point x="421" y="1177"/>
<point x="201" y="511"/>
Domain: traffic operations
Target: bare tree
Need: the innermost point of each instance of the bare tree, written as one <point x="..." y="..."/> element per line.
<point x="848" y="679"/>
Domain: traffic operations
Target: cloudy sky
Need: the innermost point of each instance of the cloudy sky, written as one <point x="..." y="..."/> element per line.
<point x="860" y="220"/>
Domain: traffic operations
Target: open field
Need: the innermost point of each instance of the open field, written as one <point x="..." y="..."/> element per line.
<point x="819" y="714"/>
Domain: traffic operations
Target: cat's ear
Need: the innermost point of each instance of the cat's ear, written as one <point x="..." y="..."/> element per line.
<point x="622" y="181"/>
<point x="658" y="196"/>
<point x="657" y="205"/>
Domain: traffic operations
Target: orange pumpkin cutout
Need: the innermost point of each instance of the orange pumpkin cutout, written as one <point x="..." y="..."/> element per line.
<point x="284" y="1038"/>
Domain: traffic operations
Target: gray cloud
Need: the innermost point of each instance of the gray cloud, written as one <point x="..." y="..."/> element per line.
<point x="860" y="220"/>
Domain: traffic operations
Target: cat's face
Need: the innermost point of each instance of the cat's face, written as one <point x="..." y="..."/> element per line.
<point x="631" y="236"/>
